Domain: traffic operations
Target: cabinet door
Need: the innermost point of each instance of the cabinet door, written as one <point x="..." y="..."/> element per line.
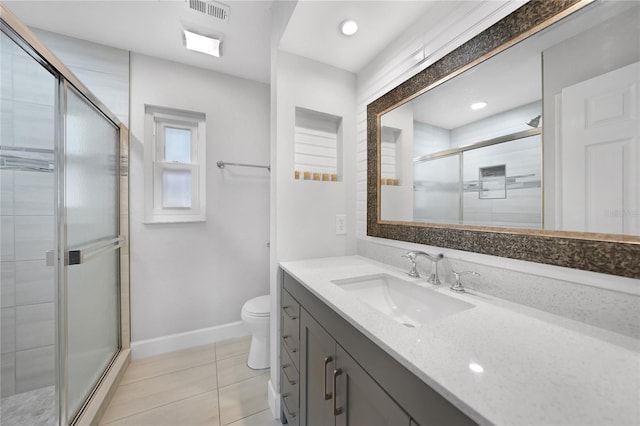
<point x="316" y="346"/>
<point x="360" y="401"/>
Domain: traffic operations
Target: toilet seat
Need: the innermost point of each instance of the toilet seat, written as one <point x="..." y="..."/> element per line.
<point x="258" y="306"/>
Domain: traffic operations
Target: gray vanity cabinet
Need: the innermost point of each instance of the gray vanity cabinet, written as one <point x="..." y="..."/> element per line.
<point x="317" y="355"/>
<point x="334" y="389"/>
<point x="371" y="387"/>
<point x="289" y="357"/>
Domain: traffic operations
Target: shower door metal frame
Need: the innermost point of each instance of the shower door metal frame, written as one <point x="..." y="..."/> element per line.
<point x="63" y="252"/>
<point x="19" y="33"/>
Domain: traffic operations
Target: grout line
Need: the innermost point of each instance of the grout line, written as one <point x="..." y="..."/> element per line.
<point x="244" y="380"/>
<point x="155" y="408"/>
<point x="170" y="372"/>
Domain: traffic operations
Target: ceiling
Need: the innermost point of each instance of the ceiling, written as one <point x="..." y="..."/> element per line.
<point x="313" y="29"/>
<point x="154" y="27"/>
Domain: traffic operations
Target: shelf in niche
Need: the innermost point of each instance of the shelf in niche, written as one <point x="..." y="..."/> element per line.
<point x="318" y="146"/>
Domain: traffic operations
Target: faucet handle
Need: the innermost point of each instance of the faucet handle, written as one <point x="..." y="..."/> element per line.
<point x="413" y="272"/>
<point x="457" y="285"/>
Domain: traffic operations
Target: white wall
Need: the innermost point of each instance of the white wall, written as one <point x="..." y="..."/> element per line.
<point x="195" y="276"/>
<point x="306" y="210"/>
<point x="303" y="214"/>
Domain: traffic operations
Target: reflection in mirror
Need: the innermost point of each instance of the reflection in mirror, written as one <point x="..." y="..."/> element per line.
<point x="495" y="147"/>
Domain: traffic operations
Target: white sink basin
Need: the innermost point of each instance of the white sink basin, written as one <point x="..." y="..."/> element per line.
<point x="403" y="301"/>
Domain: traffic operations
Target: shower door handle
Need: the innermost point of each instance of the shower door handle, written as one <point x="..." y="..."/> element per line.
<point x="87" y="252"/>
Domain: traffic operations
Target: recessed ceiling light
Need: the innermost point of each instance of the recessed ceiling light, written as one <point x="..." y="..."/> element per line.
<point x="478" y="105"/>
<point x="203" y="44"/>
<point x="349" y="27"/>
<point x="476" y="368"/>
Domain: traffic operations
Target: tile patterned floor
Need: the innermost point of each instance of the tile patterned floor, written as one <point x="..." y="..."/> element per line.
<point x="33" y="408"/>
<point x="205" y="385"/>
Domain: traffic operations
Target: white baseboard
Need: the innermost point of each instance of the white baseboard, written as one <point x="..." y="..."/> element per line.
<point x="274" y="401"/>
<point x="176" y="342"/>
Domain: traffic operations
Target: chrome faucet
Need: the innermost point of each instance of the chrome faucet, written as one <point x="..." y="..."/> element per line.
<point x="457" y="285"/>
<point x="413" y="272"/>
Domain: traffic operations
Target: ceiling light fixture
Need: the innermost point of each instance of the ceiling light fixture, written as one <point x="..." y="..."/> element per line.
<point x="476" y="368"/>
<point x="203" y="44"/>
<point x="349" y="27"/>
<point x="478" y="105"/>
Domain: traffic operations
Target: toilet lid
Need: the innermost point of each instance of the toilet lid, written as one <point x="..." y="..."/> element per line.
<point x="258" y="306"/>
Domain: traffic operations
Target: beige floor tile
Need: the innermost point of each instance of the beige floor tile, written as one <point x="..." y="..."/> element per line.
<point x="243" y="399"/>
<point x="233" y="347"/>
<point x="235" y="369"/>
<point x="167" y="363"/>
<point x="154" y="392"/>
<point x="263" y="418"/>
<point x="198" y="410"/>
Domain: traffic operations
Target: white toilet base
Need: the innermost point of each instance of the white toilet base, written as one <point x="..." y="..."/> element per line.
<point x="259" y="353"/>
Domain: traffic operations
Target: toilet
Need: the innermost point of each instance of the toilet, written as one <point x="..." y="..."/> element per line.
<point x="255" y="314"/>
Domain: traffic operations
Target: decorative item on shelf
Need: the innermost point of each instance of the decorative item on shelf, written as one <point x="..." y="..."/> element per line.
<point x="297" y="174"/>
<point x="316" y="176"/>
<point x="307" y="175"/>
<point x="389" y="181"/>
<point x="325" y="176"/>
<point x="334" y="177"/>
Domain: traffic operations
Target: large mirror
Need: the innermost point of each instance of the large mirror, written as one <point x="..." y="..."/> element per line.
<point x="532" y="136"/>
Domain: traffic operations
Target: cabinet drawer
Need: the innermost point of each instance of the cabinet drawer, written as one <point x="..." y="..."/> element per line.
<point x="290" y="402"/>
<point x="291" y="327"/>
<point x="288" y="369"/>
<point x="290" y="311"/>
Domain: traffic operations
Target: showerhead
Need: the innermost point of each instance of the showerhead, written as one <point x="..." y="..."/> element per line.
<point x="534" y="122"/>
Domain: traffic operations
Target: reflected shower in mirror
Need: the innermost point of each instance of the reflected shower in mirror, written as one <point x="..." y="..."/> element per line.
<point x="494" y="146"/>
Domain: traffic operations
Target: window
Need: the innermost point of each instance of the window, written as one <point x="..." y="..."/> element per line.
<point x="175" y="146"/>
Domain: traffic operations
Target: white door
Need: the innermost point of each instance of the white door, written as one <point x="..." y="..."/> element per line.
<point x="600" y="153"/>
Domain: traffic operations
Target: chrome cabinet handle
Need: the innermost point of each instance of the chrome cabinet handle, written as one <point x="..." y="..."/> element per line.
<point x="291" y="414"/>
<point x="327" y="396"/>
<point x="284" y="372"/>
<point x="284" y="339"/>
<point x="336" y="411"/>
<point x="291" y="317"/>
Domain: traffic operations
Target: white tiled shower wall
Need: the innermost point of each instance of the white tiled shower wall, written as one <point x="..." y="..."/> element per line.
<point x="28" y="98"/>
<point x="27" y="199"/>
<point x="606" y="302"/>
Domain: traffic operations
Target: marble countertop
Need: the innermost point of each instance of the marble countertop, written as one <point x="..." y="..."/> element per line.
<point x="537" y="368"/>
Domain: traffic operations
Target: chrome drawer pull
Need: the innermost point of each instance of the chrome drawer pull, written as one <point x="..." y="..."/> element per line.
<point x="284" y="372"/>
<point x="284" y="339"/>
<point x="291" y="414"/>
<point x="336" y="411"/>
<point x="327" y="396"/>
<point x="291" y="317"/>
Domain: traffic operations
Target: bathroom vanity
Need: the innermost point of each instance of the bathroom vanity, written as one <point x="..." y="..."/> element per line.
<point x="434" y="357"/>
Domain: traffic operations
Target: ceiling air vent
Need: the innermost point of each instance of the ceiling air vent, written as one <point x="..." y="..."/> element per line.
<point x="214" y="9"/>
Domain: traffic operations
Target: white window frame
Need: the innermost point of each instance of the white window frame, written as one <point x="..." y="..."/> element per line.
<point x="157" y="119"/>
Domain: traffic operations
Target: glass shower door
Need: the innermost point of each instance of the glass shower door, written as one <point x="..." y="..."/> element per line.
<point x="90" y="190"/>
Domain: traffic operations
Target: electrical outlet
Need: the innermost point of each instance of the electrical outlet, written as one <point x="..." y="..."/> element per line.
<point x="341" y="224"/>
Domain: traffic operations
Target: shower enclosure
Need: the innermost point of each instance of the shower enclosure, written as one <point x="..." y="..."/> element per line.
<point x="62" y="247"/>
